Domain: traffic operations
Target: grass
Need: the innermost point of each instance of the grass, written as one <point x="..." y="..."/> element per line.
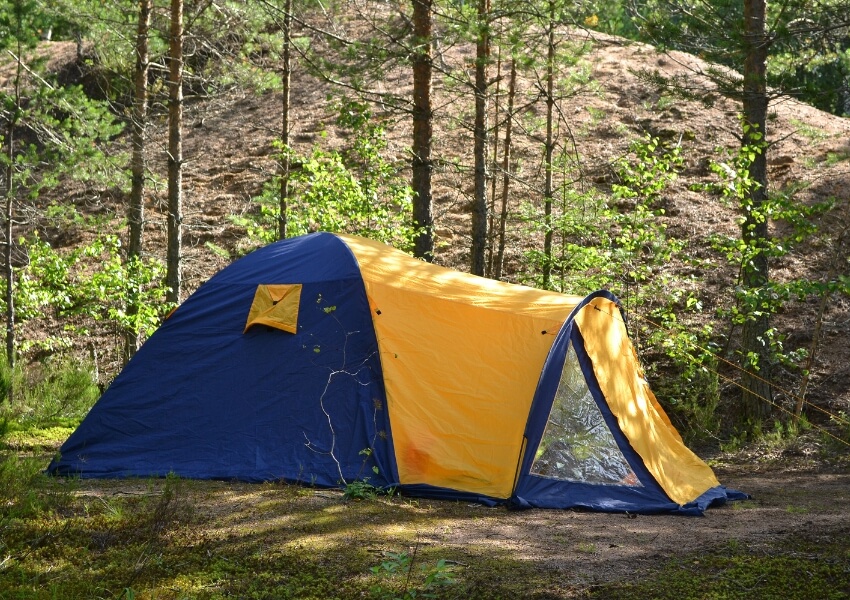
<point x="178" y="539"/>
<point x="810" y="132"/>
<point x="798" y="569"/>
<point x="31" y="438"/>
<point x="833" y="158"/>
<point x="208" y="540"/>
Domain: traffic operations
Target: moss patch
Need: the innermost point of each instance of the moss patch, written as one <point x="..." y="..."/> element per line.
<point x="797" y="569"/>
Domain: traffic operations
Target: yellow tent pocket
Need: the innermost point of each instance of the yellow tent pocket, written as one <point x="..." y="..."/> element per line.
<point x="275" y="306"/>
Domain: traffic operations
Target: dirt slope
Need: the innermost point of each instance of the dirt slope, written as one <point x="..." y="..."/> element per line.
<point x="229" y="153"/>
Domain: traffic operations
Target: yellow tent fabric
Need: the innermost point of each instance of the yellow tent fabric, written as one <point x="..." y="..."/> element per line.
<point x="458" y="401"/>
<point x="275" y="306"/>
<point x="682" y="474"/>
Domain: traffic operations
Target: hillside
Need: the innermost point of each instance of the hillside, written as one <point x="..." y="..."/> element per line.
<point x="229" y="153"/>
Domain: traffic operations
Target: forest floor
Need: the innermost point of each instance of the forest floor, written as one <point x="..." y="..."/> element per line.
<point x="176" y="538"/>
<point x="790" y="540"/>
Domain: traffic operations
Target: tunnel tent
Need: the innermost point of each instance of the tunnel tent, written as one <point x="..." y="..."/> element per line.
<point x="327" y="359"/>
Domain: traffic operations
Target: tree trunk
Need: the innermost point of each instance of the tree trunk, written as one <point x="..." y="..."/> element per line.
<point x="9" y="214"/>
<point x="284" y="135"/>
<point x="479" y="201"/>
<point x="491" y="211"/>
<point x="506" y="175"/>
<point x="173" y="277"/>
<point x="139" y="124"/>
<point x="136" y="212"/>
<point x="757" y="397"/>
<point x="550" y="148"/>
<point x="423" y="131"/>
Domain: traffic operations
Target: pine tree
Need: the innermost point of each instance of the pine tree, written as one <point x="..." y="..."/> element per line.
<point x="47" y="131"/>
<point x="138" y="165"/>
<point x="423" y="130"/>
<point x="755" y="274"/>
<point x="174" y="258"/>
<point x="284" y="163"/>
<point x="481" y="135"/>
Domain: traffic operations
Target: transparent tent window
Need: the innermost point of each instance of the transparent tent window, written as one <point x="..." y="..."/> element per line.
<point x="577" y="444"/>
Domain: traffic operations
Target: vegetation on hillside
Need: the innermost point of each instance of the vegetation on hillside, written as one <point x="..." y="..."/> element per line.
<point x="555" y="216"/>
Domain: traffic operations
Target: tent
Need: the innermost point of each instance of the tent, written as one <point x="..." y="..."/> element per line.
<point x="327" y="359"/>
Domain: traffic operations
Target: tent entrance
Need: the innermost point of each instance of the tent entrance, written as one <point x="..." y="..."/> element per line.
<point x="577" y="444"/>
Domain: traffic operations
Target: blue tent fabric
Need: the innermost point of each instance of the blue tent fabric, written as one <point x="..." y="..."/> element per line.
<point x="182" y="404"/>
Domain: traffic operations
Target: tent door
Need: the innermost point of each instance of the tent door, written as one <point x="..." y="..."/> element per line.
<point x="577" y="444"/>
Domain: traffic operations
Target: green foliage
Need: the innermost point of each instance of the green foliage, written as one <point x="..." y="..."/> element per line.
<point x="399" y="580"/>
<point x="808" y="52"/>
<point x="90" y="281"/>
<point x="836" y="438"/>
<point x="21" y="21"/>
<point x="770" y="441"/>
<point x="239" y="46"/>
<point x="735" y="186"/>
<point x="809" y="55"/>
<point x="26" y="493"/>
<point x="641" y="245"/>
<point x="70" y="130"/>
<point x="686" y="380"/>
<point x="611" y="17"/>
<point x="355" y="190"/>
<point x="362" y="490"/>
<point x="51" y="392"/>
<point x="167" y="509"/>
<point x="117" y="284"/>
<point x="784" y="434"/>
<point x="812" y="133"/>
<point x="619" y="243"/>
<point x="651" y="167"/>
<point x="582" y="260"/>
<point x="842" y="421"/>
<point x="226" y="45"/>
<point x="59" y="133"/>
